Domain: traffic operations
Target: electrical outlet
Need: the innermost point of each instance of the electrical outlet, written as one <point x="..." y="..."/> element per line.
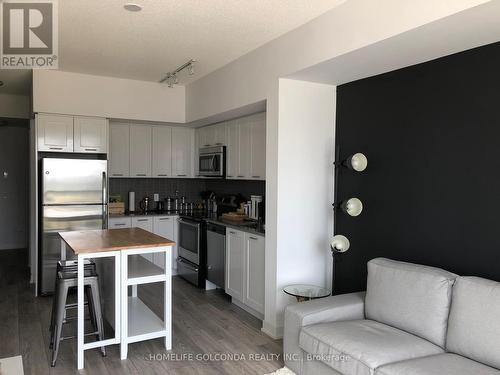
<point x="156" y="197"/>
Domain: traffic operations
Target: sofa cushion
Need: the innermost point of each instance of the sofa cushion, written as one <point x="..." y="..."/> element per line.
<point x="441" y="364"/>
<point x="360" y="346"/>
<point x="410" y="297"/>
<point x="474" y="324"/>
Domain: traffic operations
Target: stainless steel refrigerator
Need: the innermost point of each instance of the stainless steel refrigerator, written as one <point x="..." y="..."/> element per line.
<point x="73" y="197"/>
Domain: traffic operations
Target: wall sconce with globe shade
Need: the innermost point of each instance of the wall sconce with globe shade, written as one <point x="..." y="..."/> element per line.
<point x="339" y="244"/>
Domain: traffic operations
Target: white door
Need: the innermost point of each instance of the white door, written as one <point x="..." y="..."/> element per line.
<point x="55" y="133"/>
<point x="140" y="151"/>
<point x="232" y="151"/>
<point x="254" y="272"/>
<point x="164" y="226"/>
<point x="90" y="135"/>
<point x="119" y="155"/>
<point x="235" y="260"/>
<point x="245" y="131"/>
<point x="258" y="149"/>
<point x="182" y="150"/>
<point x="145" y="223"/>
<point x="162" y="151"/>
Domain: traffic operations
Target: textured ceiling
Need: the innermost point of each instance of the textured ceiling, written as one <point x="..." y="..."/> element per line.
<point x="100" y="37"/>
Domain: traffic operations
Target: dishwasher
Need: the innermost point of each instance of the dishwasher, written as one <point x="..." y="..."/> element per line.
<point x="216" y="254"/>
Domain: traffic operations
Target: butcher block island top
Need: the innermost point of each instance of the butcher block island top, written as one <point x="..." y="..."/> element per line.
<point x="102" y="240"/>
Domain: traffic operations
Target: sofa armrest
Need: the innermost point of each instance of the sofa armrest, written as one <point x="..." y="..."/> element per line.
<point x="331" y="309"/>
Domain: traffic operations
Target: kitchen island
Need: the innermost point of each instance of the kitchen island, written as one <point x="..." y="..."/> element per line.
<point x="132" y="320"/>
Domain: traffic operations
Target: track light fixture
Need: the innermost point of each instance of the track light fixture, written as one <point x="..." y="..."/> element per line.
<point x="171" y="78"/>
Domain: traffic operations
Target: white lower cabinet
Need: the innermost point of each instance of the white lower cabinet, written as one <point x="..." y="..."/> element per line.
<point x="166" y="226"/>
<point x="235" y="258"/>
<point x="119" y="222"/>
<point x="245" y="268"/>
<point x="145" y="223"/>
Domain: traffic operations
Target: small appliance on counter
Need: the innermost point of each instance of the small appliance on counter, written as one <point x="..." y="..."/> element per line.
<point x="144" y="205"/>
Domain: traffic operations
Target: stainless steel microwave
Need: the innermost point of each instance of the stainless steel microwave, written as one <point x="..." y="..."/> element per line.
<point x="212" y="162"/>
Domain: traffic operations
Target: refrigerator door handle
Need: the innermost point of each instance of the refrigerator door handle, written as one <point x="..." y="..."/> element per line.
<point x="104" y="203"/>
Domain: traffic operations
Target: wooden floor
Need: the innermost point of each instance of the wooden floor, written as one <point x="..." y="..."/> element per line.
<point x="206" y="327"/>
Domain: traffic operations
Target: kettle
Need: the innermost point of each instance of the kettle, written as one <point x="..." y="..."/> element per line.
<point x="144" y="204"/>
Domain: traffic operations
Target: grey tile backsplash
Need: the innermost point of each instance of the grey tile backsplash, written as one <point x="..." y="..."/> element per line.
<point x="191" y="188"/>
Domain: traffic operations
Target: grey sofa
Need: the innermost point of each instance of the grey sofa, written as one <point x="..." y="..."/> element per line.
<point x="412" y="320"/>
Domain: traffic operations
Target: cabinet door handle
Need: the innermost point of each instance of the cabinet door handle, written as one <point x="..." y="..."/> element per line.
<point x="162" y="175"/>
<point x="181" y="175"/>
<point x="255" y="176"/>
<point x="206" y="145"/>
<point x="119" y="224"/>
<point x="91" y="149"/>
<point x="141" y="174"/>
<point x="164" y="218"/>
<point x="232" y="232"/>
<point x="55" y="148"/>
<point x="253" y="238"/>
<point x="142" y="219"/>
<point x="117" y="174"/>
<point x="219" y="144"/>
<point x="240" y="176"/>
<point x="229" y="176"/>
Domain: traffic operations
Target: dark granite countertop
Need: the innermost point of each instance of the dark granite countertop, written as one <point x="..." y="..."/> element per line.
<point x="258" y="230"/>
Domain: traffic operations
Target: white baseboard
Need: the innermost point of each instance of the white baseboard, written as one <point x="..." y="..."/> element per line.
<point x="272" y="331"/>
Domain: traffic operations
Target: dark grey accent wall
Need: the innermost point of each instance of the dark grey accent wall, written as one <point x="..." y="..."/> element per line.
<point x="243" y="187"/>
<point x="191" y="188"/>
<point x="431" y="192"/>
<point x="146" y="187"/>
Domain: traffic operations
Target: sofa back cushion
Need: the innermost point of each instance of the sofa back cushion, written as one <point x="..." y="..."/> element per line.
<point x="474" y="324"/>
<point x="410" y="297"/>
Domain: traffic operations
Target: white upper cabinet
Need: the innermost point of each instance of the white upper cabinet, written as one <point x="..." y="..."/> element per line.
<point x="205" y="137"/>
<point x="90" y="135"/>
<point x="213" y="135"/>
<point x="55" y="133"/>
<point x="233" y="149"/>
<point x="258" y="148"/>
<point x="119" y="155"/>
<point x="162" y="151"/>
<point x="182" y="151"/>
<point x="219" y="134"/>
<point x="140" y="151"/>
<point x="245" y="150"/>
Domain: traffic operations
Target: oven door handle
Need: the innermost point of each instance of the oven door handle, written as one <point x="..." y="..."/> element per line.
<point x="187" y="265"/>
<point x="195" y="225"/>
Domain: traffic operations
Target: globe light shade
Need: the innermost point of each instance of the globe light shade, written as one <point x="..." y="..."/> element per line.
<point x="352" y="207"/>
<point x="339" y="244"/>
<point x="358" y="162"/>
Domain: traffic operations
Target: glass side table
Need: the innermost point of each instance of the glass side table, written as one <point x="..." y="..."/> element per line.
<point x="304" y="292"/>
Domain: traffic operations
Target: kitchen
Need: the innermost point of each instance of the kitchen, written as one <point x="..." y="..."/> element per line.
<point x="159" y="181"/>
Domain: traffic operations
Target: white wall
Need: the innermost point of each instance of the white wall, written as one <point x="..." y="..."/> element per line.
<point x="348" y="27"/>
<point x="83" y="94"/>
<point x="299" y="191"/>
<point x="14" y="106"/>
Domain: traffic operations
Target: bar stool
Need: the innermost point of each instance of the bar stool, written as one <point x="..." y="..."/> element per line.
<point x="65" y="280"/>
